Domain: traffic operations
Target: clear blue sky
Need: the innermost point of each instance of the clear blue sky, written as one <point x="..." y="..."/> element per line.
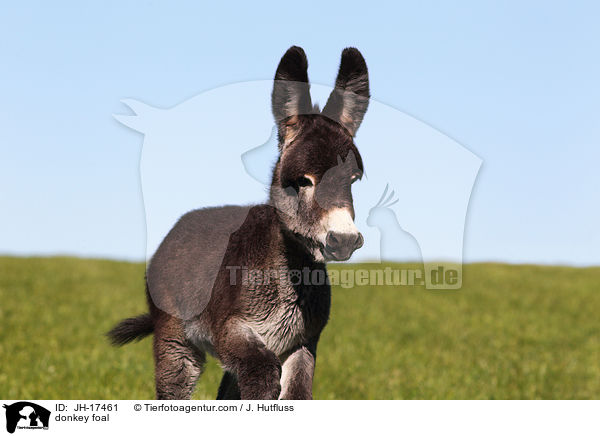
<point x="517" y="83"/>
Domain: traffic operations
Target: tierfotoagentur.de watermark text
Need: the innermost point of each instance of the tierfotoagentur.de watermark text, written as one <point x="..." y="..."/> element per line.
<point x="344" y="277"/>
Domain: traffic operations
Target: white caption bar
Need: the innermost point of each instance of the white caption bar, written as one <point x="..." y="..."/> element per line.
<point x="297" y="417"/>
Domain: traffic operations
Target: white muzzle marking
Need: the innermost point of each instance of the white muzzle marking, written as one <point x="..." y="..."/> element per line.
<point x="339" y="221"/>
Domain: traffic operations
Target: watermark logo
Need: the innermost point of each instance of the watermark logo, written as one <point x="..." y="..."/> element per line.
<point x="220" y="147"/>
<point x="346" y="278"/>
<point x="25" y="415"/>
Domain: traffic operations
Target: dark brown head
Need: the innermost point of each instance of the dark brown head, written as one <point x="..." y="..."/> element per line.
<point x="318" y="160"/>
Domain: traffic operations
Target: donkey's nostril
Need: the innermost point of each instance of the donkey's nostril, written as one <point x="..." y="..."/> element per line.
<point x="332" y="240"/>
<point x="340" y="246"/>
<point x="359" y="241"/>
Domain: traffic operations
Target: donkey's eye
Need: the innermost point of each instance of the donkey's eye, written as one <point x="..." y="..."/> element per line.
<point x="304" y="182"/>
<point x="356" y="176"/>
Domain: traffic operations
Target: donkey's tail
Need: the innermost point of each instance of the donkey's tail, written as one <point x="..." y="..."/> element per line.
<point x="131" y="329"/>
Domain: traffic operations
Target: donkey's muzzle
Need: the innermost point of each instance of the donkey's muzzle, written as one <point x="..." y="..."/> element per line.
<point x="340" y="246"/>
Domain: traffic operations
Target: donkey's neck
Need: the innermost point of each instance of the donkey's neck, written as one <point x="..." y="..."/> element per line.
<point x="297" y="250"/>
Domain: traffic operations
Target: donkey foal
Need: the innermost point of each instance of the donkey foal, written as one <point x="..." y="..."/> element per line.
<point x="264" y="333"/>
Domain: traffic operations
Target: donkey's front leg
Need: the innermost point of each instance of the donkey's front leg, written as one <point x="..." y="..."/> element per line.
<point x="257" y="369"/>
<point x="297" y="375"/>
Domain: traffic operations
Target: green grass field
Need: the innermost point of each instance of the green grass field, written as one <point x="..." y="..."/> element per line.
<point x="510" y="332"/>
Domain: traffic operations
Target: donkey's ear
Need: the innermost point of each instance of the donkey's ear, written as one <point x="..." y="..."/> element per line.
<point x="291" y="92"/>
<point x="349" y="100"/>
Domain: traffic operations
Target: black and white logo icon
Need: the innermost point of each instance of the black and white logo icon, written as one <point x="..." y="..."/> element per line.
<point x="26" y="415"/>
